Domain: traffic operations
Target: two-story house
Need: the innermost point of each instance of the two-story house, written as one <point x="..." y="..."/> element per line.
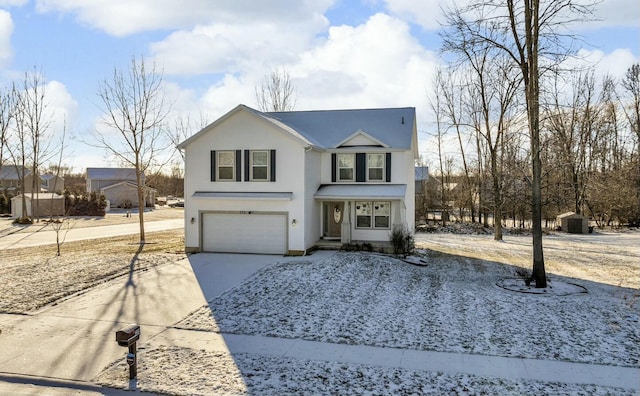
<point x="278" y="182"/>
<point x="13" y="176"/>
<point x="52" y="183"/>
<point x="119" y="186"/>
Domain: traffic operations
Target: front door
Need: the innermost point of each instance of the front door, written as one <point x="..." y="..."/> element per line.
<point x="333" y="212"/>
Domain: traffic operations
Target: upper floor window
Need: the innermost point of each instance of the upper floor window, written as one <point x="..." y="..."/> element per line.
<point x="346" y="164"/>
<point x="375" y="167"/>
<point x="226" y="165"/>
<point x="260" y="165"/>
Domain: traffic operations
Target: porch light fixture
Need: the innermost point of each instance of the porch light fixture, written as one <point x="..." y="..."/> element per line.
<point x="193" y="220"/>
<point x="293" y="223"/>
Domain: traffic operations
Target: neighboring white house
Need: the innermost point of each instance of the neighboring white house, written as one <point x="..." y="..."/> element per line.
<point x="119" y="186"/>
<point x="52" y="183"/>
<point x="258" y="182"/>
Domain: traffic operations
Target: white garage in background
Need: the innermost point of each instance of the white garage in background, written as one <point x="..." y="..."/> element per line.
<point x="244" y="232"/>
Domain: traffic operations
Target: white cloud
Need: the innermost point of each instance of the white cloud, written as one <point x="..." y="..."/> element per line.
<point x="427" y="14"/>
<point x="227" y="94"/>
<point x="6" y="30"/>
<point x="236" y="47"/>
<point x="375" y="64"/>
<point x="616" y="13"/>
<point x="124" y="17"/>
<point x="12" y="3"/>
<point x="614" y="63"/>
<point x="61" y="106"/>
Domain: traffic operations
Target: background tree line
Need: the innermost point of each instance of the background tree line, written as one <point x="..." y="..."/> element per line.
<point x="589" y="146"/>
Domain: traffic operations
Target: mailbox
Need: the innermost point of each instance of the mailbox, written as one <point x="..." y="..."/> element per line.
<point x="127" y="336"/>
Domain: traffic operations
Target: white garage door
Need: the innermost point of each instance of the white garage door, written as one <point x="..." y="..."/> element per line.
<point x="244" y="233"/>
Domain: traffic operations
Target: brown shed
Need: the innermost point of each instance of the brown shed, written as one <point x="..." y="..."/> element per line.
<point x="573" y="223"/>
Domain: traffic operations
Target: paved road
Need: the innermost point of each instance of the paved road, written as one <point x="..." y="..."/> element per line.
<point x="46" y="237"/>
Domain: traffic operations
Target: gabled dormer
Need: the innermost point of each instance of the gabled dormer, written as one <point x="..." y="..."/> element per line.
<point x="360" y="139"/>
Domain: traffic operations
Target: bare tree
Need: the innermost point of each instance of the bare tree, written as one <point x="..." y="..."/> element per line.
<point x="525" y="31"/>
<point x="631" y="85"/>
<point x="572" y="129"/>
<point x="276" y="93"/>
<point x="60" y="225"/>
<point x="452" y="90"/>
<point x="445" y="162"/>
<point x="31" y="124"/>
<point x="492" y="90"/>
<point x="7" y="109"/>
<point x="133" y="105"/>
<point x="184" y="127"/>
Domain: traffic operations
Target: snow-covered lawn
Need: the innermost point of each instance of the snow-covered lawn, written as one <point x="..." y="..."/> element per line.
<point x="184" y="371"/>
<point x="452" y="303"/>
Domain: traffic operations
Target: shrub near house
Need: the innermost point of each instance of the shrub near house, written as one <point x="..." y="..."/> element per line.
<point x="92" y="204"/>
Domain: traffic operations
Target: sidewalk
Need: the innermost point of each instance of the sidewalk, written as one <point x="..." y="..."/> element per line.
<point x="17" y="385"/>
<point x="451" y="363"/>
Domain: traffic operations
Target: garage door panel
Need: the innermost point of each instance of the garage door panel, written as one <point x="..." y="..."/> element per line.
<point x="244" y="233"/>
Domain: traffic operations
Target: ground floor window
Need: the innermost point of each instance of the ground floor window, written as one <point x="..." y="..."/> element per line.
<point x="373" y="214"/>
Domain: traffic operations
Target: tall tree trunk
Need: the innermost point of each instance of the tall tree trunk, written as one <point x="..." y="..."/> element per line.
<point x="532" y="81"/>
<point x="141" y="204"/>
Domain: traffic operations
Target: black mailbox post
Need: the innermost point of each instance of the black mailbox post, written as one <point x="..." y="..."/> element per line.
<point x="127" y="337"/>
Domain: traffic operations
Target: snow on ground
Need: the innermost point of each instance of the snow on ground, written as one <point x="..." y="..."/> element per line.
<point x="450" y="302"/>
<point x="183" y="371"/>
<point x="450" y="305"/>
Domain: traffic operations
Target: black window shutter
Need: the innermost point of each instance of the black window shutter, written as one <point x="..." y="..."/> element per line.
<point x="387" y="164"/>
<point x="361" y="167"/>
<point x="247" y="165"/>
<point x="334" y="164"/>
<point x="213" y="165"/>
<point x="238" y="165"/>
<point x="272" y="159"/>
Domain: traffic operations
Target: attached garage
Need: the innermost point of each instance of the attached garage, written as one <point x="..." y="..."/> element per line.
<point x="244" y="232"/>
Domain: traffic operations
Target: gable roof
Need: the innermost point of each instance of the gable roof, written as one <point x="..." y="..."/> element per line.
<point x="111" y="174"/>
<point x="421" y="173"/>
<point x="10" y="172"/>
<point x="49" y="176"/>
<point x="363" y="137"/>
<point x="128" y="184"/>
<point x="392" y="127"/>
<point x="255" y="113"/>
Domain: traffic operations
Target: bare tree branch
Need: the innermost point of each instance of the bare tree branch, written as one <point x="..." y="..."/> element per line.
<point x="276" y="93"/>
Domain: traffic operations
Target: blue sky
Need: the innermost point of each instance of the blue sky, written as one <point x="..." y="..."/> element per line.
<point x="339" y="53"/>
